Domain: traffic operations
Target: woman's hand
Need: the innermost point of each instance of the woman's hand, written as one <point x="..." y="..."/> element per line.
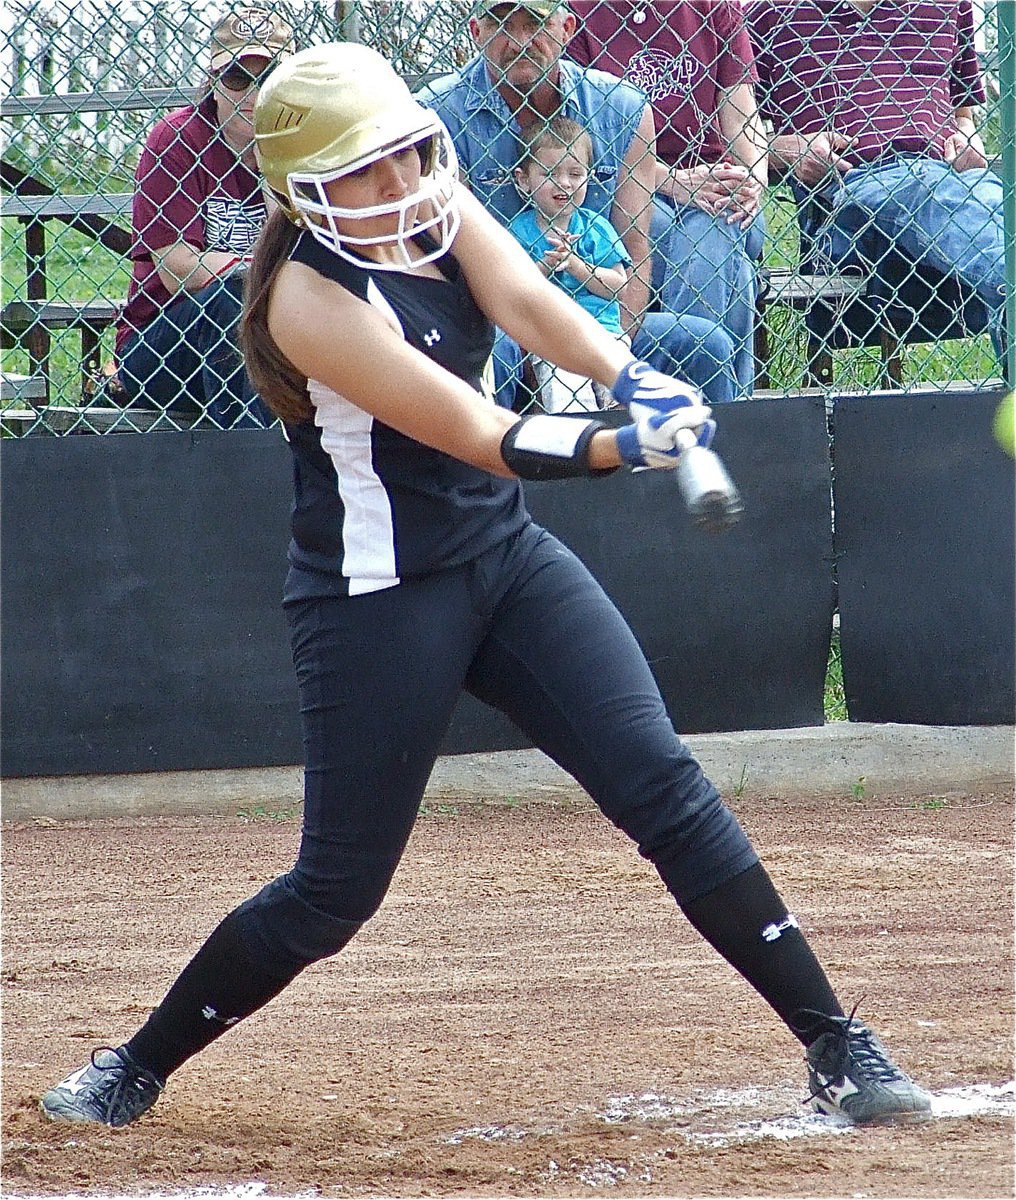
<point x="667" y="414"/>
<point x="657" y="439"/>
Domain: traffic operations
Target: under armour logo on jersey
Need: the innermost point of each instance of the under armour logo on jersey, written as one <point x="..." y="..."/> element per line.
<point x="432" y="338"/>
<point x="772" y="932"/>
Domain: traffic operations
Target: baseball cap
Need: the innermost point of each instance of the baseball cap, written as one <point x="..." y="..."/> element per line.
<point x="542" y="8"/>
<point x="250" y="31"/>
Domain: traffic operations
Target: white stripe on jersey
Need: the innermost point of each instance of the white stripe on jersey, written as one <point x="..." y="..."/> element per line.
<point x="368" y="531"/>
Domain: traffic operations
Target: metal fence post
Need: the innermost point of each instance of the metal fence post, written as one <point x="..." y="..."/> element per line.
<point x="347" y="17"/>
<point x="1006" y="12"/>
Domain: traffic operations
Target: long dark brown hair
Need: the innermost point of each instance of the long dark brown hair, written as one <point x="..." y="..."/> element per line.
<point x="282" y="387"/>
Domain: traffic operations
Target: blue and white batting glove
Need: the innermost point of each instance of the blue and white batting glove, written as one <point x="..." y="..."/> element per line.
<point x="639" y="383"/>
<point x="656" y="439"/>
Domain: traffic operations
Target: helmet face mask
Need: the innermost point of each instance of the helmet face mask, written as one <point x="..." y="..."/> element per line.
<point x="431" y="209"/>
<point x="329" y="112"/>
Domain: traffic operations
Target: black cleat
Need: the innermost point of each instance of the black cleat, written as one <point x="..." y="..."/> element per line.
<point x="111" y="1090"/>
<point x="850" y="1073"/>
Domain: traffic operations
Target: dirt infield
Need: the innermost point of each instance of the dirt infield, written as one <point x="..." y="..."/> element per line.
<point x="528" y="1015"/>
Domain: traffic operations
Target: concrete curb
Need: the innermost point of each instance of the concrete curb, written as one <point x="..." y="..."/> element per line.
<point x="827" y="760"/>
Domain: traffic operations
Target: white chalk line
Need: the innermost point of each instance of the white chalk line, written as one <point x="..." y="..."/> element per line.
<point x="701" y="1109"/>
<point x="709" y="1108"/>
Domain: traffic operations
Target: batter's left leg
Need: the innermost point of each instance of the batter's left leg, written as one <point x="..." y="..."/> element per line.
<point x="563" y="664"/>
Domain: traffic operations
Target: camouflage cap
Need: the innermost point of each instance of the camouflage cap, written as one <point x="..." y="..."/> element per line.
<point x="250" y="31"/>
<point x="542" y="8"/>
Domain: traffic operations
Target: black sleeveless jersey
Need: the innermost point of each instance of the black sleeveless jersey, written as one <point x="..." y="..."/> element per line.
<point x="372" y="506"/>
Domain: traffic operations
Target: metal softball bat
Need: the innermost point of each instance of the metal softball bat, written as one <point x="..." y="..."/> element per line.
<point x="710" y="495"/>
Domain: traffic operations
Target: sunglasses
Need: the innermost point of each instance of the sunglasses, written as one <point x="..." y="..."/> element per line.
<point x="236" y="77"/>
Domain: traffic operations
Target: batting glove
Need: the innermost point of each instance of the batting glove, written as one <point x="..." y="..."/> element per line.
<point x="656" y="439"/>
<point x="638" y="383"/>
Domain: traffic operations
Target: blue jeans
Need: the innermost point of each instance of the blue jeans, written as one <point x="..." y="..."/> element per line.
<point x="948" y="220"/>
<point x="691" y="348"/>
<point x="187" y="360"/>
<point x="705" y="268"/>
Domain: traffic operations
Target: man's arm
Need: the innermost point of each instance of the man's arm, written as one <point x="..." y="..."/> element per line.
<point x="734" y="186"/>
<point x="630" y="215"/>
<point x="184" y="268"/>
<point x="742" y="130"/>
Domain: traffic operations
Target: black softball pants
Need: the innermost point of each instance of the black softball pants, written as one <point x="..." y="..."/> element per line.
<point x="526" y="629"/>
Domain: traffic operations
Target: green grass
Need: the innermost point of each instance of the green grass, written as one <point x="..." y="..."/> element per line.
<point x="932" y="803"/>
<point x="834" y="700"/>
<point x="258" y="812"/>
<point x="78" y="268"/>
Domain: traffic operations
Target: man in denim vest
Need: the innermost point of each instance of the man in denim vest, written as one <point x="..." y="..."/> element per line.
<point x="520" y="79"/>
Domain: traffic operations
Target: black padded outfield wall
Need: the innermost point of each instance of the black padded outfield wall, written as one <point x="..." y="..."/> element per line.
<point x="925" y="559"/>
<point x="141" y="577"/>
<point x="736" y="626"/>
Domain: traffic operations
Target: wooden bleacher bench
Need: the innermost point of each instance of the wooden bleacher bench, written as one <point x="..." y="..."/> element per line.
<point x="786" y="285"/>
<point x="24" y="322"/>
<point x="88" y="418"/>
<point x="17" y="389"/>
<point x="28" y="323"/>
<point x="40" y="207"/>
<point x="105" y="216"/>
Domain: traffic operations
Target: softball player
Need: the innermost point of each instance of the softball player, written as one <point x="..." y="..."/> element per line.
<point x="415" y="572"/>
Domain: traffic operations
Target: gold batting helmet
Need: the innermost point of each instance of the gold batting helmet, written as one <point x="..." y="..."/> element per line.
<point x="334" y="109"/>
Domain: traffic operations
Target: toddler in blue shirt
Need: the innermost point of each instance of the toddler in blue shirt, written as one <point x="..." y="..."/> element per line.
<point x="575" y="247"/>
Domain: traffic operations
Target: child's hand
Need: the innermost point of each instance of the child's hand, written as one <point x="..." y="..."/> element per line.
<point x="556" y="258"/>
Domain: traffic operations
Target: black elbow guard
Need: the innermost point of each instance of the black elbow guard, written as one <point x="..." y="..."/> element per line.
<point x="546" y="447"/>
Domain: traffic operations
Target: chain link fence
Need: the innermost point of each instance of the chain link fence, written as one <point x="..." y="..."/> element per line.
<point x="748" y="281"/>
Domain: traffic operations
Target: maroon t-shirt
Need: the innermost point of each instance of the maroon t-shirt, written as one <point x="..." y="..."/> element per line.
<point x="890" y="78"/>
<point x="190" y="186"/>
<point x="682" y="53"/>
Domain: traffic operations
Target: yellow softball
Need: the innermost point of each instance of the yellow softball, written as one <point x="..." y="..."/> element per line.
<point x="1002" y="426"/>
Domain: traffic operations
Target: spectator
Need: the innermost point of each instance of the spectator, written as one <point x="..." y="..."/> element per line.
<point x="872" y="105"/>
<point x="198" y="208"/>
<point x="520" y="79"/>
<point x="693" y="60"/>
<point x="574" y="247"/>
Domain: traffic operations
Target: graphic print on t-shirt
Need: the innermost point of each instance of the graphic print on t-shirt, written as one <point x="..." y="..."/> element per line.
<point x="230" y="225"/>
<point x="660" y="74"/>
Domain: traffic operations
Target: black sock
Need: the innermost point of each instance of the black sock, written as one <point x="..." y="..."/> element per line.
<point x="220" y="986"/>
<point x="747" y="922"/>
